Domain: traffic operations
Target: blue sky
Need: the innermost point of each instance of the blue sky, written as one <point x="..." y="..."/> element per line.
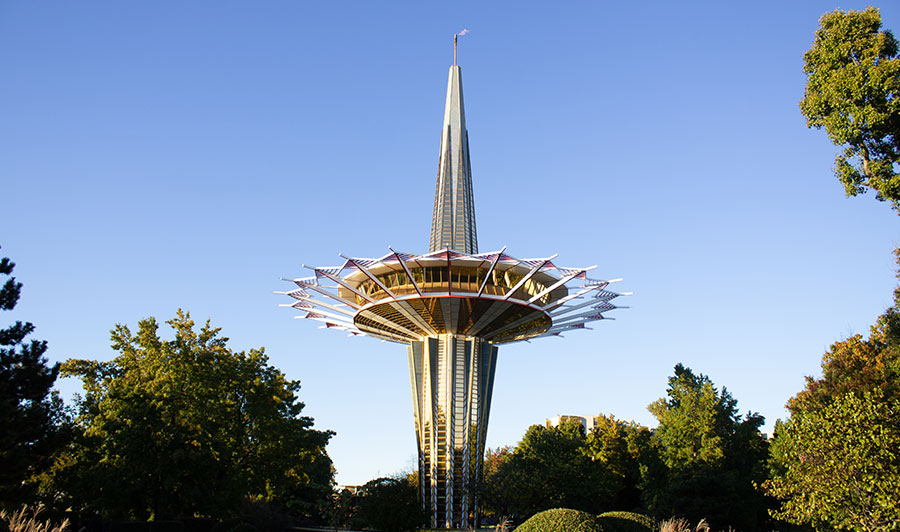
<point x="165" y="155"/>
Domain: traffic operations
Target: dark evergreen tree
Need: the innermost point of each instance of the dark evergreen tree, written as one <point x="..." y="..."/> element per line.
<point x="31" y="414"/>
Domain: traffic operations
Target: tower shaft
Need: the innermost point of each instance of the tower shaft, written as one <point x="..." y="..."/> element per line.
<point x="453" y="221"/>
<point x="451" y="377"/>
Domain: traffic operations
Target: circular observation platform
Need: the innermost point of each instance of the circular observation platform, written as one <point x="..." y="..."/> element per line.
<point x="404" y="298"/>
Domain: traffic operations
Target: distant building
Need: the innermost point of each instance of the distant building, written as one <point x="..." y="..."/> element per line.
<point x="588" y="422"/>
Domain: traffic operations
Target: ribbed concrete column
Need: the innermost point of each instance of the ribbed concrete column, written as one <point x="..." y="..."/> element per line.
<point x="451" y="378"/>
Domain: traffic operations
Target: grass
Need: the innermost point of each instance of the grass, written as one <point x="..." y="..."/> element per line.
<point x="677" y="524"/>
<point x="28" y="521"/>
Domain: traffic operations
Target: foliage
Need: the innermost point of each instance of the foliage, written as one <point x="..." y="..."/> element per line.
<point x="344" y="510"/>
<point x="853" y="91"/>
<point x="712" y="457"/>
<point x="391" y="505"/>
<point x="188" y="427"/>
<point x="26" y="520"/>
<point x="262" y="516"/>
<point x="497" y="489"/>
<point x="856" y="364"/>
<point x="549" y="468"/>
<point x="623" y="448"/>
<point x="32" y="416"/>
<point x="626" y="522"/>
<point x="841" y="464"/>
<point x="560" y="520"/>
<point x="835" y="463"/>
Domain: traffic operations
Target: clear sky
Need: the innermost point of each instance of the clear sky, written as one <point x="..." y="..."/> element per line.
<point x="157" y="155"/>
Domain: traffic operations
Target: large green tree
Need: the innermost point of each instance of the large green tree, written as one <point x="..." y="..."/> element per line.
<point x="853" y="91"/>
<point x="549" y="468"/>
<point x="624" y="448"/>
<point x="712" y="456"/>
<point x="835" y="462"/>
<point x="391" y="504"/>
<point x="563" y="467"/>
<point x="188" y="427"/>
<point x="838" y="465"/>
<point x="32" y="417"/>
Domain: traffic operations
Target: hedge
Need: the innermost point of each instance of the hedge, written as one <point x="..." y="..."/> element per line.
<point x="626" y="522"/>
<point x="561" y="520"/>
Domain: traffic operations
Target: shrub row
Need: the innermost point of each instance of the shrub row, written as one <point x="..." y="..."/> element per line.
<point x="565" y="520"/>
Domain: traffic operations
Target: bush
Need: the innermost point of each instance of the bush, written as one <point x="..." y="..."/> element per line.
<point x="561" y="520"/>
<point x="626" y="522"/>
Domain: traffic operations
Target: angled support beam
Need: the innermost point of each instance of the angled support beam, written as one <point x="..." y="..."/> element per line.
<point x="568" y="327"/>
<point x="326" y="293"/>
<point x="559" y="283"/>
<point x="489" y="315"/>
<point x="391" y="325"/>
<point x="316" y="302"/>
<point x="490" y="271"/>
<point x="406" y="270"/>
<point x="597" y="303"/>
<point x="332" y="323"/>
<point x="299" y="293"/>
<point x="403" y="308"/>
<point x="559" y="303"/>
<point x="341" y="282"/>
<point x="525" y="319"/>
<point x="370" y="276"/>
<point x="528" y="276"/>
<point x="331" y="315"/>
<point x="595" y="313"/>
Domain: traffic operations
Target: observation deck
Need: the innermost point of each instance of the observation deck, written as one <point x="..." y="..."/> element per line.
<point x="405" y="298"/>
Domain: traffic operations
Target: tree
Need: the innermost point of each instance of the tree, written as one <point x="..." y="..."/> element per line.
<point x="496" y="490"/>
<point x="549" y="468"/>
<point x="840" y="464"/>
<point x="853" y="91"/>
<point x="712" y="456"/>
<point x="834" y="462"/>
<point x="624" y="449"/>
<point x="31" y="414"/>
<point x="188" y="427"/>
<point x="391" y="504"/>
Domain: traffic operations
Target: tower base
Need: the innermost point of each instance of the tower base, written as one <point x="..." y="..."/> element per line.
<point x="451" y="377"/>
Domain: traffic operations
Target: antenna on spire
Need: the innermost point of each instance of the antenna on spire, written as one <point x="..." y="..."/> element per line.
<point x="455" y="37"/>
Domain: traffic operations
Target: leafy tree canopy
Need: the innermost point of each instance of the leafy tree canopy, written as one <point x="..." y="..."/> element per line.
<point x="712" y="455"/>
<point x="835" y="463"/>
<point x="188" y="427"/>
<point x="839" y="464"/>
<point x="624" y="448"/>
<point x="555" y="467"/>
<point x="391" y="504"/>
<point x="32" y="418"/>
<point x="853" y="91"/>
<point x="549" y="469"/>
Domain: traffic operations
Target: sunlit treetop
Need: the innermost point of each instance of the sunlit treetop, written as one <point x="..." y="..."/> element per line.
<point x="853" y="91"/>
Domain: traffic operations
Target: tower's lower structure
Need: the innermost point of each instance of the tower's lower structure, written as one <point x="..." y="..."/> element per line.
<point x="451" y="376"/>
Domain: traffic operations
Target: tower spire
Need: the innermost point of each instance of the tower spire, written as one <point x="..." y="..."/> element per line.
<point x="453" y="220"/>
